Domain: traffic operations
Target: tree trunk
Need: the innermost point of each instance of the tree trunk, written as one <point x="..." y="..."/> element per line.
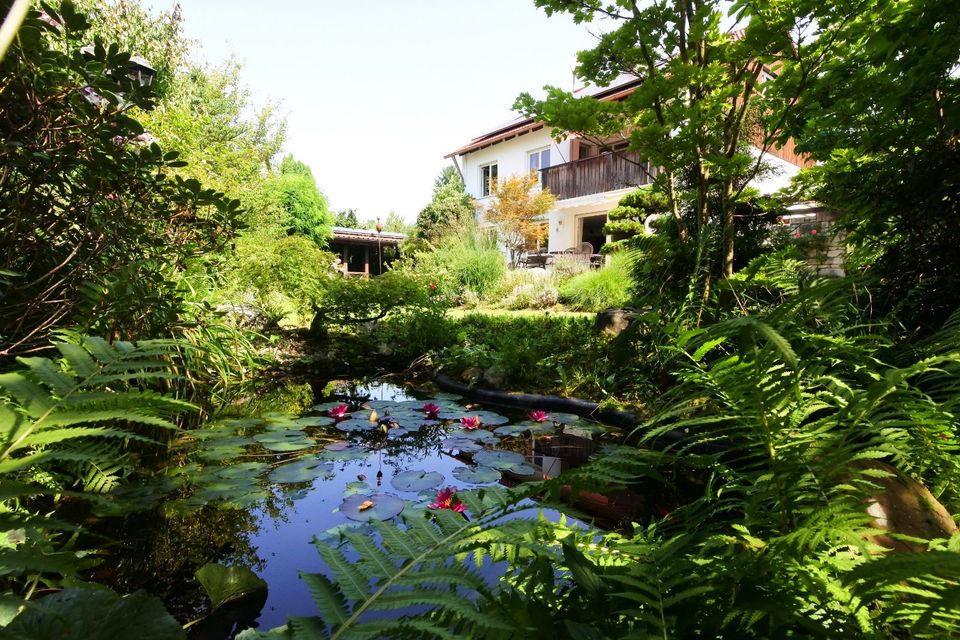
<point x="728" y="230"/>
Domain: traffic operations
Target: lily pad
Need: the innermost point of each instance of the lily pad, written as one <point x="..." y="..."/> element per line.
<point x="524" y="427"/>
<point x="499" y="459"/>
<point x="566" y="418"/>
<point x="465" y="445"/>
<point x="379" y="506"/>
<point x="490" y="419"/>
<point x="416" y="480"/>
<point x="509" y="430"/>
<point x="334" y="535"/>
<point x="523" y="470"/>
<point x="477" y="435"/>
<point x="303" y="470"/>
<point x="242" y="471"/>
<point x="235" y="485"/>
<point x="357" y="489"/>
<point x="343" y="451"/>
<point x="226" y="584"/>
<point x="381" y="405"/>
<point x="313" y="421"/>
<point x="357" y="424"/>
<point x="284" y="440"/>
<point x="476" y="475"/>
<point x="326" y="406"/>
<point x="216" y="449"/>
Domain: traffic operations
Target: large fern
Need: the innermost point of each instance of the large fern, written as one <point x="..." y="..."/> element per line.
<point x="94" y="391"/>
<point x="67" y="425"/>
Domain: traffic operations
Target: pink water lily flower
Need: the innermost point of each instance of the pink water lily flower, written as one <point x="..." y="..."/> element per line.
<point x="338" y="412"/>
<point x="538" y="416"/>
<point x="431" y="409"/>
<point x="447" y="499"/>
<point x="470" y="422"/>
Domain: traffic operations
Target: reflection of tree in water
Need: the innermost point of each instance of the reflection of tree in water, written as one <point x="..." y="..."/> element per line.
<point x="399" y="453"/>
<point x="160" y="554"/>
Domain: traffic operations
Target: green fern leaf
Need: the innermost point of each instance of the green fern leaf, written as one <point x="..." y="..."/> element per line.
<point x="350" y="580"/>
<point x="328" y="598"/>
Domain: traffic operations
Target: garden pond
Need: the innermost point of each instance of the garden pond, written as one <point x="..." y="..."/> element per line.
<point x="260" y="492"/>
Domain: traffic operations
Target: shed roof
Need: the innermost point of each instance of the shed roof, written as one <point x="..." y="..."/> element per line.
<point x="386" y="238"/>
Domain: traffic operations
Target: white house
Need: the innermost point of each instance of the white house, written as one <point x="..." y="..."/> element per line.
<point x="588" y="180"/>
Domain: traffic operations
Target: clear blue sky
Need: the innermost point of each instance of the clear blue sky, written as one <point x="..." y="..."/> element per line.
<point x="376" y="93"/>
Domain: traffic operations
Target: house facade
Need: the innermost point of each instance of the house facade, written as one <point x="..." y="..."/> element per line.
<point x="587" y="179"/>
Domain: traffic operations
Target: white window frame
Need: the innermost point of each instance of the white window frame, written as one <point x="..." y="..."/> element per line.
<point x="539" y="154"/>
<point x="485" y="186"/>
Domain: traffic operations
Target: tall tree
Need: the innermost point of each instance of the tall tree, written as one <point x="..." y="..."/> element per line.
<point x="515" y="210"/>
<point x="393" y="222"/>
<point x="346" y="218"/>
<point x="705" y="95"/>
<point x="209" y="117"/>
<point x="302" y="208"/>
<point x="94" y="220"/>
<point x="883" y="118"/>
<point x="449" y="206"/>
<point x="157" y="37"/>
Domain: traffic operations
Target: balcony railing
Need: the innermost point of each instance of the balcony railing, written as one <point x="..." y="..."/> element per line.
<point x="606" y="172"/>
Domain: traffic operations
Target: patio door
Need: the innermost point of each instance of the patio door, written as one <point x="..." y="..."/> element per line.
<point x="591" y="230"/>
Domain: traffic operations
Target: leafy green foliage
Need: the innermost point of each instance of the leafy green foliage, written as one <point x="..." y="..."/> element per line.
<point x="422" y="565"/>
<point x="49" y="406"/>
<point x="607" y="287"/>
<point x="702" y="100"/>
<point x="157" y="37"/>
<point x="98" y="614"/>
<point x="92" y="210"/>
<point x="303" y="208"/>
<point x="781" y="427"/>
<point x="351" y="301"/>
<point x="449" y="208"/>
<point x="62" y="424"/>
<point x="226" y="139"/>
<point x="225" y="584"/>
<point x="465" y="259"/>
<point x="627" y="219"/>
<point x="346" y="218"/>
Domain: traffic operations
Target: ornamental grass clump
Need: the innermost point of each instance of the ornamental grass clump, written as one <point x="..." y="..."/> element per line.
<point x="605" y="288"/>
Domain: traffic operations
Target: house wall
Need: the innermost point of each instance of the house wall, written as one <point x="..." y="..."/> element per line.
<point x="564" y="220"/>
<point x="511" y="158"/>
<point x="780" y="174"/>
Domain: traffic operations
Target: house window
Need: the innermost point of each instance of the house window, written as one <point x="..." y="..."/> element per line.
<point x="488" y="178"/>
<point x="539" y="159"/>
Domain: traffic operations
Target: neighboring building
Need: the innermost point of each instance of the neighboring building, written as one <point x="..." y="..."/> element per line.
<point x="588" y="180"/>
<point x="364" y="252"/>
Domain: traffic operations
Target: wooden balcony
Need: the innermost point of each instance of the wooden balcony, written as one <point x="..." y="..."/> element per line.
<point x="606" y="172"/>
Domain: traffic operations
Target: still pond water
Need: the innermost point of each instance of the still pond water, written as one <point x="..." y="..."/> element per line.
<point x="260" y="492"/>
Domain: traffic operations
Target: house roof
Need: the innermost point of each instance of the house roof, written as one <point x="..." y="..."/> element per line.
<point x="386" y="238"/>
<point x="621" y="87"/>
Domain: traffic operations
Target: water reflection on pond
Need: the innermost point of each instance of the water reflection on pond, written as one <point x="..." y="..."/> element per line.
<point x="259" y="491"/>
